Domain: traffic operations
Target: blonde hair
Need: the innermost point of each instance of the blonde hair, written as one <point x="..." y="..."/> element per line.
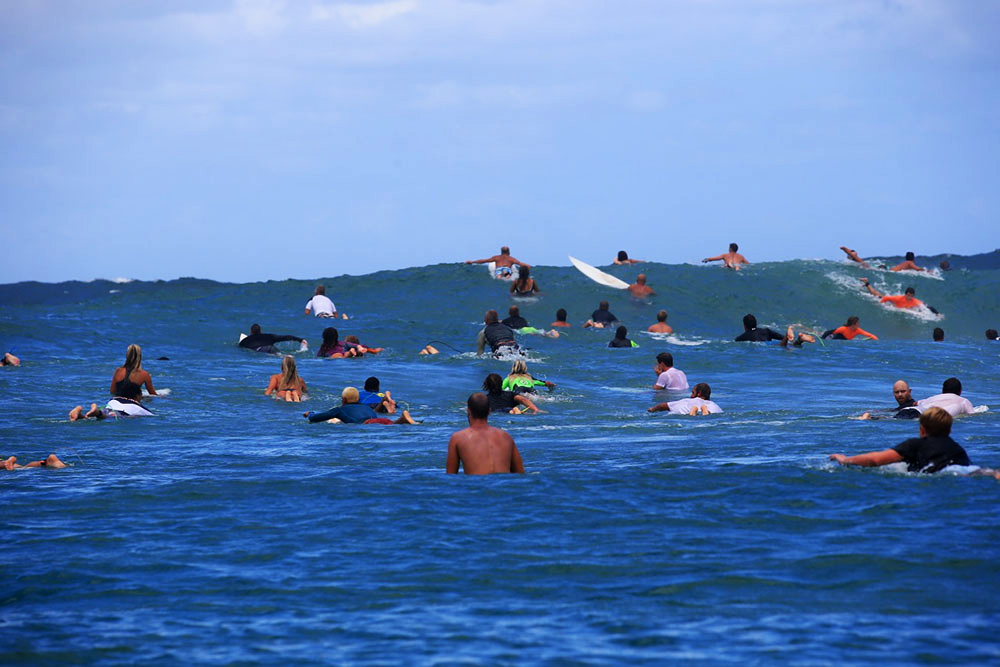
<point x="133" y="359"/>
<point x="936" y="421"/>
<point x="289" y="373"/>
<point x="350" y="395"/>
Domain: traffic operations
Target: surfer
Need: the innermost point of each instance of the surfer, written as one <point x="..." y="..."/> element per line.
<point x="377" y="400"/>
<point x="525" y="285"/>
<point x="287" y="384"/>
<point x="499" y="336"/>
<point x="51" y="461"/>
<point x="602" y="317"/>
<point x="668" y="377"/>
<point x="127" y="380"/>
<point x="506" y="401"/>
<point x="849" y="331"/>
<point x="504" y="263"/>
<point x="522" y="382"/>
<point x="621" y="339"/>
<point x="352" y="344"/>
<point x="908" y="264"/>
<point x="931" y="452"/>
<point x="332" y="347"/>
<point x="661" y="325"/>
<point x="321" y="304"/>
<point x="623" y="258"/>
<point x="904" y="300"/>
<point x="991" y="334"/>
<point x="906" y="407"/>
<point x="352" y="412"/>
<point x="640" y="289"/>
<point x="853" y="256"/>
<point x="950" y="399"/>
<point x="9" y="359"/>
<point x="482" y="449"/>
<point x="264" y="342"/>
<point x="754" y="335"/>
<point x="937" y="335"/>
<point x="698" y="404"/>
<point x="514" y="319"/>
<point x="561" y="319"/>
<point x="732" y="259"/>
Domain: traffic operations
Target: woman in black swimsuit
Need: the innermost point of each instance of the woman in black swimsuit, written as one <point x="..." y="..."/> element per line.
<point x="128" y="379"/>
<point x="525" y="285"/>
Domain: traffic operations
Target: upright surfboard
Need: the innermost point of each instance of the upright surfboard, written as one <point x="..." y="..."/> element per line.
<point x="597" y="275"/>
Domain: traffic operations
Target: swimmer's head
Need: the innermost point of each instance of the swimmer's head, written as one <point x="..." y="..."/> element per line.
<point x="350" y="395"/>
<point x="622" y="256"/>
<point x="901" y="391"/>
<point x="561" y="315"/>
<point x="936" y="421"/>
<point x="621" y="332"/>
<point x="910" y="256"/>
<point x="938" y="334"/>
<point x="519" y="367"/>
<point x="493" y="383"/>
<point x="991" y="334"/>
<point x="852" y="321"/>
<point x="330" y="336"/>
<point x="603" y="305"/>
<point x="666" y="359"/>
<point x="514" y="311"/>
<point x="254" y="329"/>
<point x="352" y="339"/>
<point x="641" y="279"/>
<point x="661" y="316"/>
<point x="701" y="390"/>
<point x="504" y="250"/>
<point x="523" y="272"/>
<point x="945" y="265"/>
<point x="491" y="317"/>
<point x="749" y="322"/>
<point x="372" y="384"/>
<point x="733" y="247"/>
<point x="479" y="406"/>
<point x="320" y="290"/>
<point x="910" y="291"/>
<point x="952" y="386"/>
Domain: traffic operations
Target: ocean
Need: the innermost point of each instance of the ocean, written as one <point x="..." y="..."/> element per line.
<point x="226" y="529"/>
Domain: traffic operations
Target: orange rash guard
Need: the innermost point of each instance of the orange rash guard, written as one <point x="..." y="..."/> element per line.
<point x="902" y="301"/>
<point x="850" y="333"/>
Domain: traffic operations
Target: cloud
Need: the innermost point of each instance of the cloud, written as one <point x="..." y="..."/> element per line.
<point x="359" y="17"/>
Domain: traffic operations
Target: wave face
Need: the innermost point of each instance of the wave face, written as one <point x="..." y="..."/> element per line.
<point x="227" y="529"/>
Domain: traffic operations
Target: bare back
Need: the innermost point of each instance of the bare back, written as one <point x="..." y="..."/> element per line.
<point x="483" y="449"/>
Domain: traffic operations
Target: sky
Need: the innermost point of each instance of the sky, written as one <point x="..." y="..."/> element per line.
<point x="260" y="139"/>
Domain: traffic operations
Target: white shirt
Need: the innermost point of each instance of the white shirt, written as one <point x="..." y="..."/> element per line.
<point x="683" y="406"/>
<point x="321" y="306"/>
<point x="953" y="404"/>
<point x="672" y="378"/>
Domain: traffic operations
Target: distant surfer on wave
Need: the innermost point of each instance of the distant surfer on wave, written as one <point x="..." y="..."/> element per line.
<point x="623" y="258"/>
<point x="639" y="289"/>
<point x="904" y="300"/>
<point x="504" y="263"/>
<point x="853" y="256"/>
<point x="908" y="264"/>
<point x="482" y="449"/>
<point x="732" y="259"/>
<point x="321" y="304"/>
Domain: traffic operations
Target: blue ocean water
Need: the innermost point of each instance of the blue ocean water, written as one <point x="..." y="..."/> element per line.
<point x="227" y="529"/>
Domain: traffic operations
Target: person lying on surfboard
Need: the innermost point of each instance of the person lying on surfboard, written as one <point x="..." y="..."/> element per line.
<point x="504" y="262"/>
<point x="732" y="259"/>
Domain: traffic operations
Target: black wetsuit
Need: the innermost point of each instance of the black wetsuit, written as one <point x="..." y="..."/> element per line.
<point x="620" y="342"/>
<point x="836" y="336"/>
<point x="502" y="401"/>
<point x="515" y="322"/>
<point x="932" y="453"/>
<point x="264" y="342"/>
<point x="349" y="413"/>
<point x="499" y="335"/>
<point x="603" y="316"/>
<point x="907" y="410"/>
<point x="758" y="335"/>
<point x="128" y="389"/>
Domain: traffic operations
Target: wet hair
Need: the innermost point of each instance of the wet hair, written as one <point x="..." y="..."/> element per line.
<point x="504" y="250"/>
<point x="665" y="358"/>
<point x="371" y="384"/>
<point x="493" y="383"/>
<point x="621" y="332"/>
<point x="622" y="256"/>
<point x="491" y="316"/>
<point x="749" y="322"/>
<point x="910" y="256"/>
<point x="320" y="289"/>
<point x="852" y="321"/>
<point x="938" y="333"/>
<point x="733" y="247"/>
<point x="561" y="315"/>
<point x="330" y="337"/>
<point x="661" y="316"/>
<point x="519" y="368"/>
<point x="255" y="328"/>
<point x="936" y="421"/>
<point x="133" y="359"/>
<point x="523" y="273"/>
<point x="952" y="386"/>
<point x="702" y="390"/>
<point x="992" y="334"/>
<point x="603" y="305"/>
<point x="289" y="373"/>
<point x="350" y="395"/>
<point x="910" y="291"/>
<point x="479" y="406"/>
<point x="514" y="311"/>
<point x="352" y="339"/>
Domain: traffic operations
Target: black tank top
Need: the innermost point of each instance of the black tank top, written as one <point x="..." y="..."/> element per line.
<point x="128" y="389"/>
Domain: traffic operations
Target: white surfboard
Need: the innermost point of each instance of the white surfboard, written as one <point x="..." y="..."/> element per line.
<point x="492" y="266"/>
<point x="597" y="275"/>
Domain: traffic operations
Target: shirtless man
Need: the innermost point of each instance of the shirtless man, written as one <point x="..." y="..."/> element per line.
<point x="853" y="256"/>
<point x="481" y="448"/>
<point x="908" y="264"/>
<point x="905" y="300"/>
<point x="661" y="325"/>
<point x="732" y="259"/>
<point x="640" y="289"/>
<point x="52" y="461"/>
<point x="504" y="261"/>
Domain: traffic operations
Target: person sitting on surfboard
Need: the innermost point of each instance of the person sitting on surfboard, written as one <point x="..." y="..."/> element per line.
<point x="732" y="259"/>
<point x="640" y="289"/>
<point x="504" y="263"/>
<point x="602" y="317"/>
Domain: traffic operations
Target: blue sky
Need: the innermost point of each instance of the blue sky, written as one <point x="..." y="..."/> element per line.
<point x="260" y="140"/>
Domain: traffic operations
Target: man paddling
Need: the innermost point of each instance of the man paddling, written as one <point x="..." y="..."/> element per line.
<point x="482" y="449"/>
<point x="504" y="263"/>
